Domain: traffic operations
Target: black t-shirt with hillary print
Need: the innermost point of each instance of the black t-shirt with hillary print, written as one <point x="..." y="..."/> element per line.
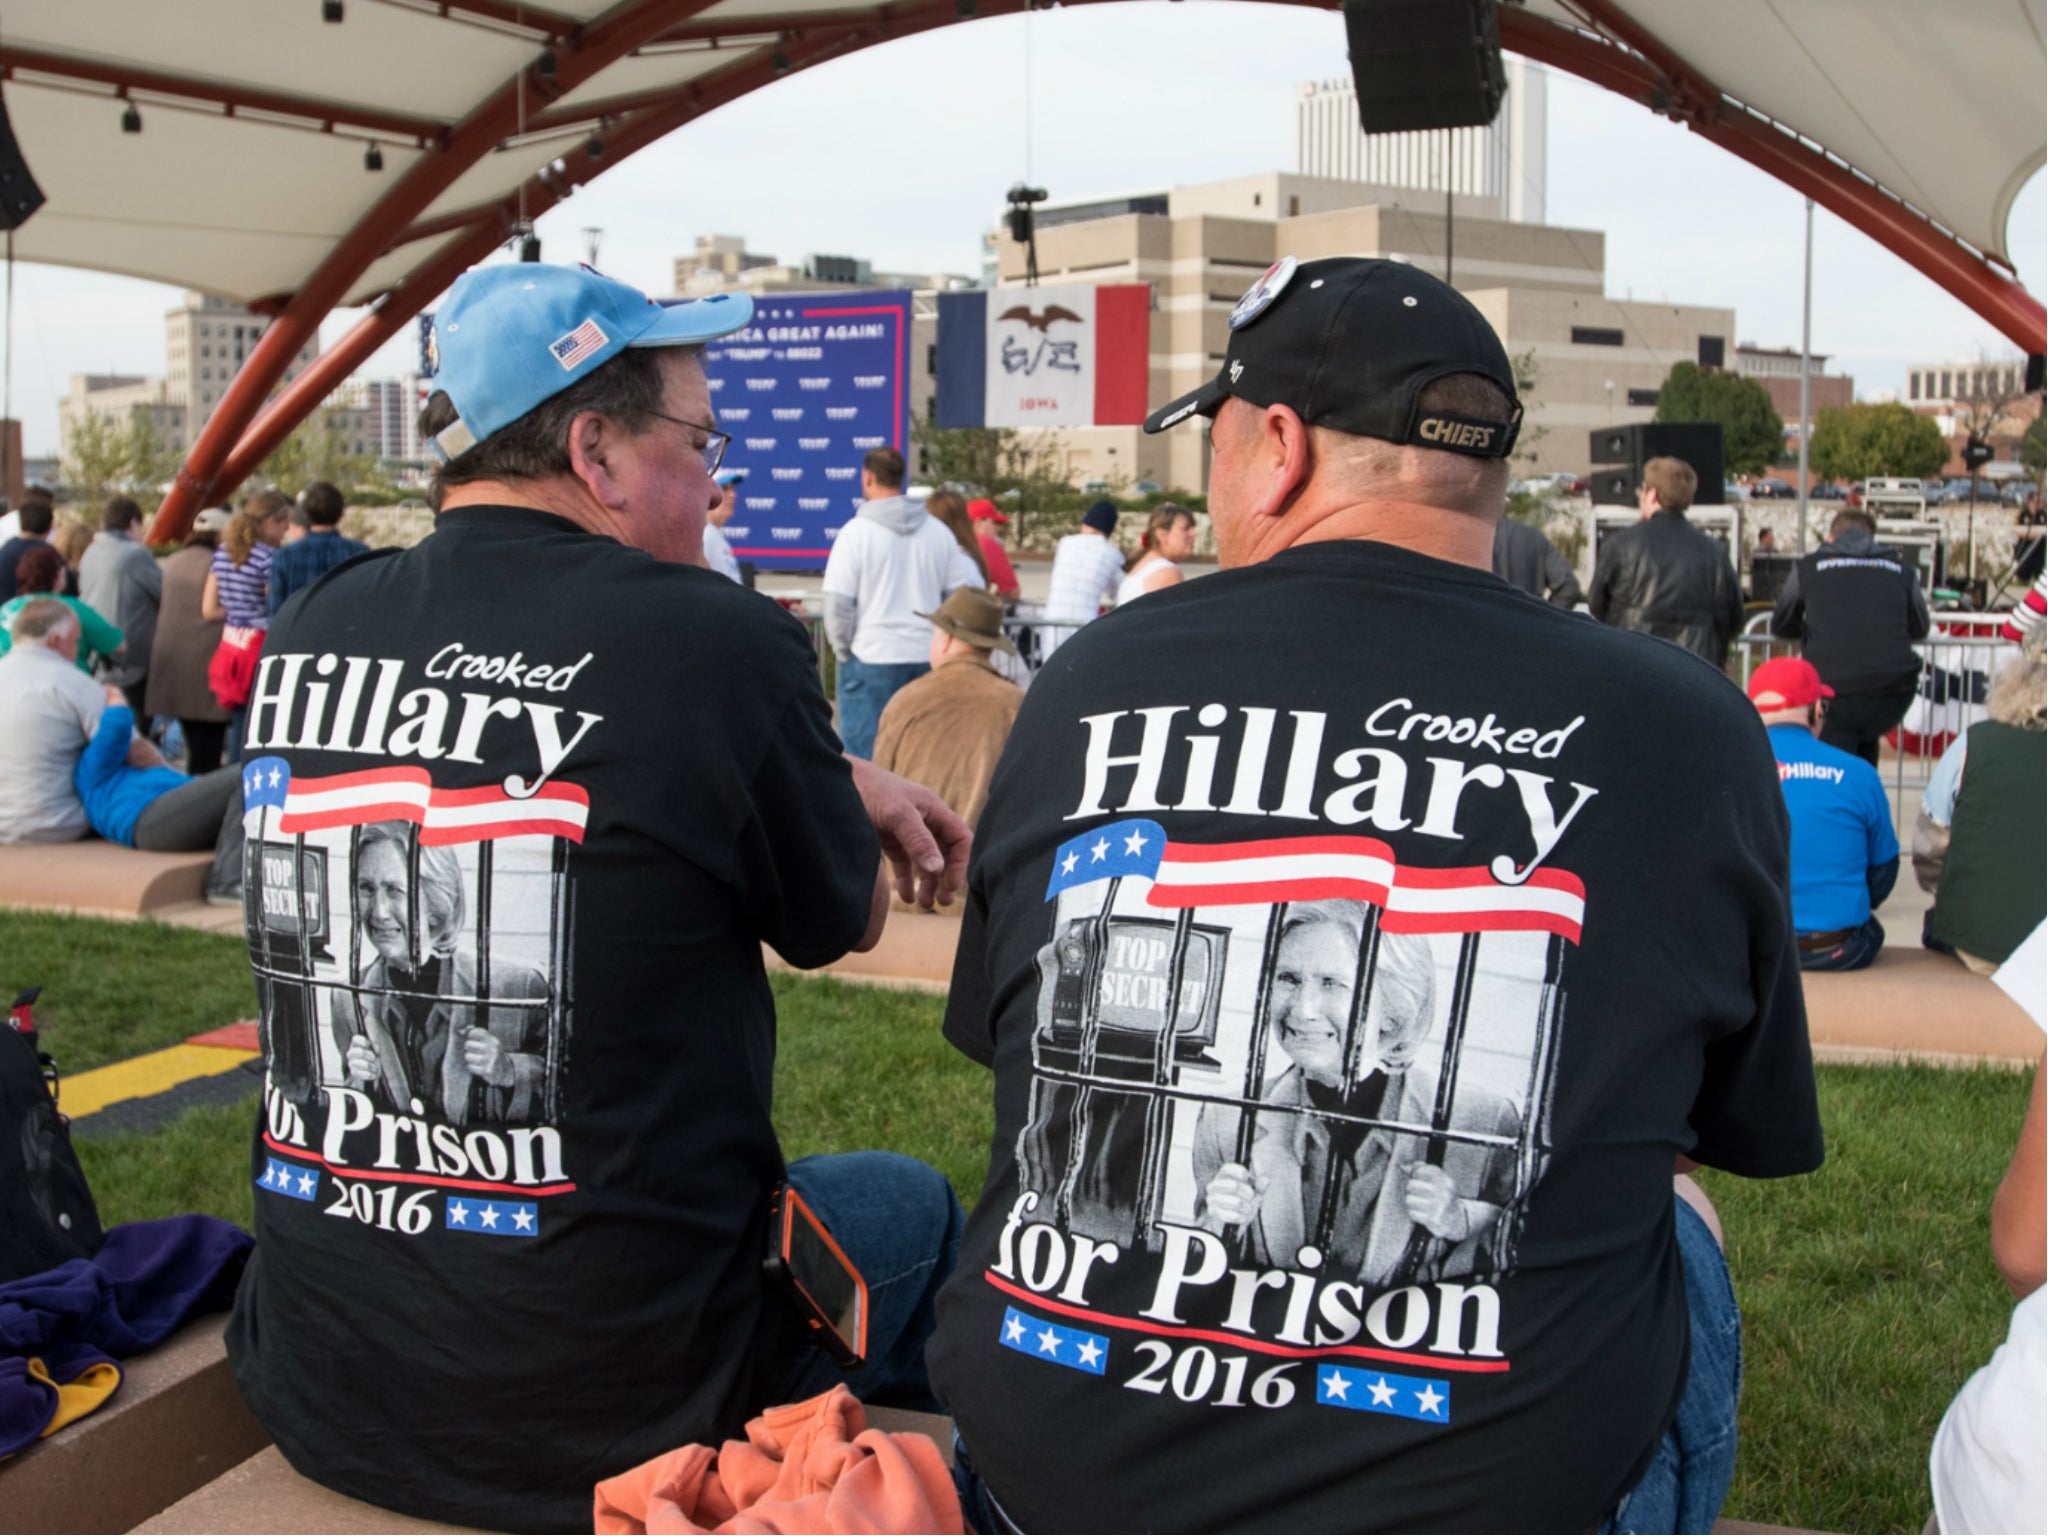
<point x="523" y="804"/>
<point x="1356" y="942"/>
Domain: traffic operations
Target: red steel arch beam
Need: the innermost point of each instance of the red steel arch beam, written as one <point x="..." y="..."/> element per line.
<point x="423" y="131"/>
<point x="1654" y="77"/>
<point x="620" y="30"/>
<point x="490" y="224"/>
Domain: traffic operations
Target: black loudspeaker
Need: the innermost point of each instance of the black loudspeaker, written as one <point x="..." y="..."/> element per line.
<point x="1424" y="63"/>
<point x="1614" y="487"/>
<point x="1698" y="443"/>
<point x="19" y="194"/>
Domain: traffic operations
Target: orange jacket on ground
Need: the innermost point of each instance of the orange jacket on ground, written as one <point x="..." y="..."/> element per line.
<point x="811" y="1466"/>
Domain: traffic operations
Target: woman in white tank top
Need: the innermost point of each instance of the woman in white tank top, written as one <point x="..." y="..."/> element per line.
<point x="1169" y="538"/>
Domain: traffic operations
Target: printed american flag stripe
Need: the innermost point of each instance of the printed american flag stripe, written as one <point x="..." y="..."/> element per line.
<point x="1263" y="872"/>
<point x="578" y="344"/>
<point x="442" y="815"/>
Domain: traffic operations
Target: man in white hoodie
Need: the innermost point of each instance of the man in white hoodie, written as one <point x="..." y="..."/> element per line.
<point x="891" y="563"/>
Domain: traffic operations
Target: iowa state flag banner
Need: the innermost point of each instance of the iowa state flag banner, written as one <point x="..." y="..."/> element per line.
<point x="1073" y="356"/>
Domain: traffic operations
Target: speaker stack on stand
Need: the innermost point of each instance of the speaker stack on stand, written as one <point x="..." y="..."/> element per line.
<point x="1629" y="448"/>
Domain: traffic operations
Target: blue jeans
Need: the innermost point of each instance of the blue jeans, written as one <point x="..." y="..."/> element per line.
<point x="899" y="1222"/>
<point x="1695" y="1461"/>
<point x="1852" y="954"/>
<point x="865" y="688"/>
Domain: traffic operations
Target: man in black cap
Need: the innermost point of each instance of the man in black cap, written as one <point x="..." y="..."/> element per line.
<point x="1856" y="610"/>
<point x="1355" y="714"/>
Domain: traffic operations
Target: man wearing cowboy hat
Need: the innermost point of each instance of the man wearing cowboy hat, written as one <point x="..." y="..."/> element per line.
<point x="946" y="729"/>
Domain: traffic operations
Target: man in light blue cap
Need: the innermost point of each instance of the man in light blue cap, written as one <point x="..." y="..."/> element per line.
<point x="525" y="804"/>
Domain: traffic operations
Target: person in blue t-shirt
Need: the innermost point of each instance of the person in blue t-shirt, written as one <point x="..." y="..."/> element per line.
<point x="133" y="797"/>
<point x="1845" y="855"/>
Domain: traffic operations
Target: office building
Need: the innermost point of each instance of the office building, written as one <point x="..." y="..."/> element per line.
<point x="1502" y="162"/>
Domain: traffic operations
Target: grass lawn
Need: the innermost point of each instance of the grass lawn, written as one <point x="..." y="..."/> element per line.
<point x="1868" y="1289"/>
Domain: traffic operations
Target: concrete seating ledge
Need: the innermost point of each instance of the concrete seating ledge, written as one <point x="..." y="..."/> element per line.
<point x="99" y="878"/>
<point x="176" y="1451"/>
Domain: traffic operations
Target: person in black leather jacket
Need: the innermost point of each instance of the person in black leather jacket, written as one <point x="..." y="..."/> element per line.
<point x="1664" y="577"/>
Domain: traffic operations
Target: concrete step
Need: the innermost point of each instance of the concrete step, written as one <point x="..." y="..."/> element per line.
<point x="100" y="878"/>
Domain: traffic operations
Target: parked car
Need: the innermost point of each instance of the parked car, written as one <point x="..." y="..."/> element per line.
<point x="1771" y="490"/>
<point x="1733" y="491"/>
<point x="1827" y="490"/>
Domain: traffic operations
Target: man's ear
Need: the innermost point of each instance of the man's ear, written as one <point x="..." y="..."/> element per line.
<point x="1282" y="452"/>
<point x="593" y="438"/>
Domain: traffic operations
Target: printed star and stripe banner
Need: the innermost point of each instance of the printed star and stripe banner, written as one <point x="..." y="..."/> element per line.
<point x="1271" y="870"/>
<point x="443" y="816"/>
<point x="1076" y="355"/>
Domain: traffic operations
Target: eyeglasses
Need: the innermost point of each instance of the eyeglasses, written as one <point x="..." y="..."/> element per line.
<point x="715" y="441"/>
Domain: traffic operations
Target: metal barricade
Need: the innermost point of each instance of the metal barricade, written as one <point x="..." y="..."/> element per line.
<point x="1957" y="662"/>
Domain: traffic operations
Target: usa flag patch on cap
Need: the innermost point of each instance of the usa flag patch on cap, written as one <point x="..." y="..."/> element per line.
<point x="573" y="348"/>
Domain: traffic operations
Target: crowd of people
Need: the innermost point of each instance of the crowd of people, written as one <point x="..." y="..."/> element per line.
<point x="164" y="652"/>
<point x="1352" y="1045"/>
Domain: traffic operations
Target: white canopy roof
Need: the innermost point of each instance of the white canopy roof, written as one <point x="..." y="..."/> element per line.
<point x="1942" y="102"/>
<point x="257" y="115"/>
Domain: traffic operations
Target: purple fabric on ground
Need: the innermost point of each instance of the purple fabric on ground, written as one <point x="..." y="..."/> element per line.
<point x="147" y="1279"/>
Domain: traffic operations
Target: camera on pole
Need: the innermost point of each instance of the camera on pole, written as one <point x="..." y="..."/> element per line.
<point x="1022" y="231"/>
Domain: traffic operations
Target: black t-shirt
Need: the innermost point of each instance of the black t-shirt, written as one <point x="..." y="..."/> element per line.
<point x="523" y="805"/>
<point x="1356" y="941"/>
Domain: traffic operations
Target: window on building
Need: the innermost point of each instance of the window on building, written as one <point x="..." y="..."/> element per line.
<point x="1912" y="386"/>
<point x="1258" y="198"/>
<point x="1944" y="384"/>
<point x="1294" y="207"/>
<point x="1713" y="351"/>
<point x="1642" y="397"/>
<point x="1595" y="336"/>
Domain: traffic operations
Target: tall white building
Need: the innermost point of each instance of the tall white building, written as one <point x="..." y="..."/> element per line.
<point x="1503" y="161"/>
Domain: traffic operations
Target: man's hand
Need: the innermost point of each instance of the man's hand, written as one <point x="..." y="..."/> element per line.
<point x="115" y="696"/>
<point x="362" y="1060"/>
<point x="484" y="1056"/>
<point x="1232" y="1197"/>
<point x="925" y="843"/>
<point x="1432" y="1201"/>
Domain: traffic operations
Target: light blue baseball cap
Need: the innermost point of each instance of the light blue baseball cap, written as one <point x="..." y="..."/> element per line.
<point x="513" y="335"/>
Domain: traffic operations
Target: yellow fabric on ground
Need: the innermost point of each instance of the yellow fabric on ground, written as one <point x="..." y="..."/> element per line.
<point x="75" y="1399"/>
<point x="89" y="1092"/>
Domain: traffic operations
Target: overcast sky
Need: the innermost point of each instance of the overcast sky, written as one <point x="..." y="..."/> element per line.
<point x="901" y="155"/>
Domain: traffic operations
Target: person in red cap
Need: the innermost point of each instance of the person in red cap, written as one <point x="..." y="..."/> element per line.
<point x="1001" y="574"/>
<point x="1845" y="855"/>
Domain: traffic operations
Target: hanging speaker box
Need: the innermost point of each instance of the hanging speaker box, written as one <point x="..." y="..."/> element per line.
<point x="1424" y="63"/>
<point x="19" y="194"/>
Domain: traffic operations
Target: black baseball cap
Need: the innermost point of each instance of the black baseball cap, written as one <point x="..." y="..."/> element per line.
<point x="1350" y="343"/>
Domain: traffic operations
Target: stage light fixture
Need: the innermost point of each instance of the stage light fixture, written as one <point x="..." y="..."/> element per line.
<point x="594" y="147"/>
<point x="529" y="247"/>
<point x="373" y="159"/>
<point x="781" y="62"/>
<point x="330" y="11"/>
<point x="131" y="120"/>
<point x="546" y="66"/>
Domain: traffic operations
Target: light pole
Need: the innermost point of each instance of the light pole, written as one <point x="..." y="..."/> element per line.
<point x="1805" y="375"/>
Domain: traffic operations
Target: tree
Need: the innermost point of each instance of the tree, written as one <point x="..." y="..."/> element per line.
<point x="104" y="455"/>
<point x="2032" y="448"/>
<point x="1528" y="373"/>
<point x="1858" y="441"/>
<point x="994" y="462"/>
<point x="94" y="458"/>
<point x="316" y="450"/>
<point x="1753" y="434"/>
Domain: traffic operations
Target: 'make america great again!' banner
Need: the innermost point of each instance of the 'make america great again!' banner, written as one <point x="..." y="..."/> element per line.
<point x="815" y="382"/>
